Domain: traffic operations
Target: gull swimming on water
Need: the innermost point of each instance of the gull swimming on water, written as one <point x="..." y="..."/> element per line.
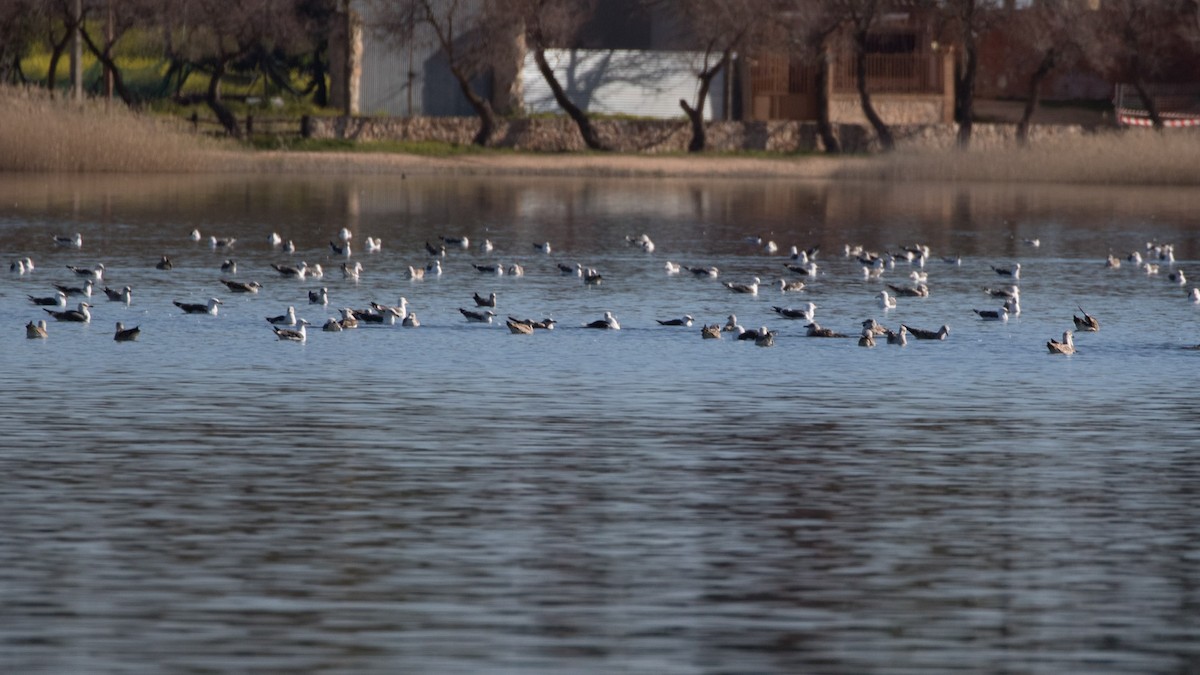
<point x="416" y="273"/>
<point x="374" y="245"/>
<point x="731" y="325"/>
<point x="343" y="250"/>
<point x="485" y="316"/>
<point x="1087" y="324"/>
<point x="197" y="308"/>
<point x="36" y="331"/>
<point x="491" y="268"/>
<point x="229" y="265"/>
<point x="993" y="314"/>
<point x="75" y="241"/>
<point x="319" y="297"/>
<point x="750" y="288"/>
<point x="297" y="272"/>
<point x="786" y="286"/>
<point x="286" y="319"/>
<point x="886" y="301"/>
<point x="85" y="290"/>
<point x="78" y="315"/>
<point x="411" y="320"/>
<point x="921" y="334"/>
<point x="434" y="268"/>
<point x="806" y="313"/>
<point x="515" y="270"/>
<point x="489" y="301"/>
<point x="164" y="263"/>
<point x="765" y="338"/>
<point x="461" y="242"/>
<point x="712" y="332"/>
<point x="1013" y="270"/>
<point x="345" y="234"/>
<point x="710" y="272"/>
<point x="96" y="273"/>
<point x="609" y="322"/>
<point x="815" y="330"/>
<point x="673" y="268"/>
<point x="349" y="272"/>
<point x="544" y="247"/>
<point x="519" y="328"/>
<point x="686" y="320"/>
<point x="899" y="337"/>
<point x="867" y="339"/>
<point x="195" y="235"/>
<point x="1067" y="346"/>
<point x="226" y="242"/>
<point x="124" y="334"/>
<point x="59" y="299"/>
<point x="242" y="286"/>
<point x="292" y="335"/>
<point x="124" y="295"/>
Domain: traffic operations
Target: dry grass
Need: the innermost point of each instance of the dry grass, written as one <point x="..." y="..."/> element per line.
<point x="41" y="133"/>
<point x="1131" y="157"/>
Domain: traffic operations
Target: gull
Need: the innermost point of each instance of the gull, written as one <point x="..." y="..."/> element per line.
<point x="519" y="328"/>
<point x="731" y="325"/>
<point x="515" y="270"/>
<point x="673" y="268"/>
<point x="319" y="297"/>
<point x="765" y="338"/>
<point x="124" y="334"/>
<point x="290" y="335"/>
<point x="434" y="268"/>
<point x="1177" y="277"/>
<point x="593" y="277"/>
<point x="401" y="309"/>
<point x="496" y="268"/>
<point x="374" y="245"/>
<point x="229" y="265"/>
<point x="750" y="288"/>
<point x="199" y="308"/>
<point x="806" y="313"/>
<point x="806" y="270"/>
<point x="952" y="260"/>
<point x="1067" y="346"/>
<point x="544" y="247"/>
<point x="226" y="242"/>
<point x="349" y="272"/>
<point x="899" y="337"/>
<point x="74" y="241"/>
<point x="867" y="339"/>
<point x="609" y="322"/>
<point x="486" y="246"/>
<point x="332" y="326"/>
<point x="274" y="240"/>
<point x="286" y="319"/>
<point x="544" y="324"/>
<point x="875" y="327"/>
<point x="786" y="286"/>
<point x="437" y="252"/>
<point x="1150" y="269"/>
<point x="382" y="315"/>
<point x="872" y="272"/>
<point x="195" y="235"/>
<point x="1013" y="270"/>
<point x="124" y="295"/>
<point x="1033" y="242"/>
<point x="416" y="273"/>
<point x="1013" y="305"/>
<point x="770" y="248"/>
<point x="411" y="321"/>
<point x="85" y="290"/>
<point x="59" y="299"/>
<point x="19" y="267"/>
<point x="96" y="273"/>
<point x="1112" y="261"/>
<point x="242" y="286"/>
<point x="921" y="334"/>
<point x="685" y="320"/>
<point x="164" y="264"/>
<point x="567" y="270"/>
<point x="481" y="301"/>
<point x="815" y="330"/>
<point x="343" y="250"/>
<point x="344" y="234"/>
<point x="709" y="272"/>
<point x="919" y="290"/>
<point x="461" y="242"/>
<point x="919" y="277"/>
<point x="886" y="301"/>
<point x="485" y="316"/>
<point x="1007" y="292"/>
<point x="78" y="315"/>
<point x="799" y="256"/>
<point x="1194" y="296"/>
<point x="35" y="331"/>
<point x="751" y="334"/>
<point x="1087" y="324"/>
<point x="348" y="319"/>
<point x="643" y="241"/>
<point x="1134" y="257"/>
<point x="993" y="314"/>
<point x="712" y="332"/>
<point x="299" y="271"/>
<point x="289" y="246"/>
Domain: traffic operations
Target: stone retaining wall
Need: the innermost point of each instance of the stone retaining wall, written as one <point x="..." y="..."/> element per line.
<point x="666" y="136"/>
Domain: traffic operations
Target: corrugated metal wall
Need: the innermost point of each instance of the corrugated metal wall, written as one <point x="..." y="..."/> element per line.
<point x="410" y="79"/>
<point x="632" y="82"/>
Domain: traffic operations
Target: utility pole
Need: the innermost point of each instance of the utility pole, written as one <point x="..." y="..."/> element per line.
<point x="77" y="52"/>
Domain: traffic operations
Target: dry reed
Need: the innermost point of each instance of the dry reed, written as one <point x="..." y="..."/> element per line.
<point x="41" y="133"/>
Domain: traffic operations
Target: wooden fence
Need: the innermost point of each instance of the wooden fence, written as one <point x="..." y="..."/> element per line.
<point x="254" y="126"/>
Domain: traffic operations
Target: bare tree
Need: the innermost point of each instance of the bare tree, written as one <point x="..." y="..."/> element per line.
<point x="1045" y="37"/>
<point x="19" y="28"/>
<point x="463" y="34"/>
<point x="548" y="24"/>
<point x="861" y="17"/>
<point x="116" y="19"/>
<point x="971" y="19"/>
<point x="807" y="31"/>
<point x="1138" y="40"/>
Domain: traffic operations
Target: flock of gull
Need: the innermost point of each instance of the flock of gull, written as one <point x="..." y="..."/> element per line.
<point x="801" y="265"/>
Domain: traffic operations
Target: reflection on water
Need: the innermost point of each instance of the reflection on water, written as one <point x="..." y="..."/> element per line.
<point x="454" y="499"/>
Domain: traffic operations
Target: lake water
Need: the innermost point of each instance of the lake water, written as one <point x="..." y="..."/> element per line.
<point x="457" y="499"/>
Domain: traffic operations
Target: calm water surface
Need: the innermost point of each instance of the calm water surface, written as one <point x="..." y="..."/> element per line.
<point x="456" y="499"/>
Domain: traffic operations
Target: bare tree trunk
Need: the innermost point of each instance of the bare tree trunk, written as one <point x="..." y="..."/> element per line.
<point x="56" y="52"/>
<point x="213" y="99"/>
<point x="580" y="118"/>
<point x="481" y="106"/>
<point x="696" y="115"/>
<point x="1035" y="93"/>
<point x="860" y="70"/>
<point x="105" y="58"/>
<point x="1139" y="84"/>
<point x="966" y="92"/>
<point x="824" y="125"/>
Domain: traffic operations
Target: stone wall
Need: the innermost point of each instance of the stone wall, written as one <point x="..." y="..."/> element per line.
<point x="665" y="136"/>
